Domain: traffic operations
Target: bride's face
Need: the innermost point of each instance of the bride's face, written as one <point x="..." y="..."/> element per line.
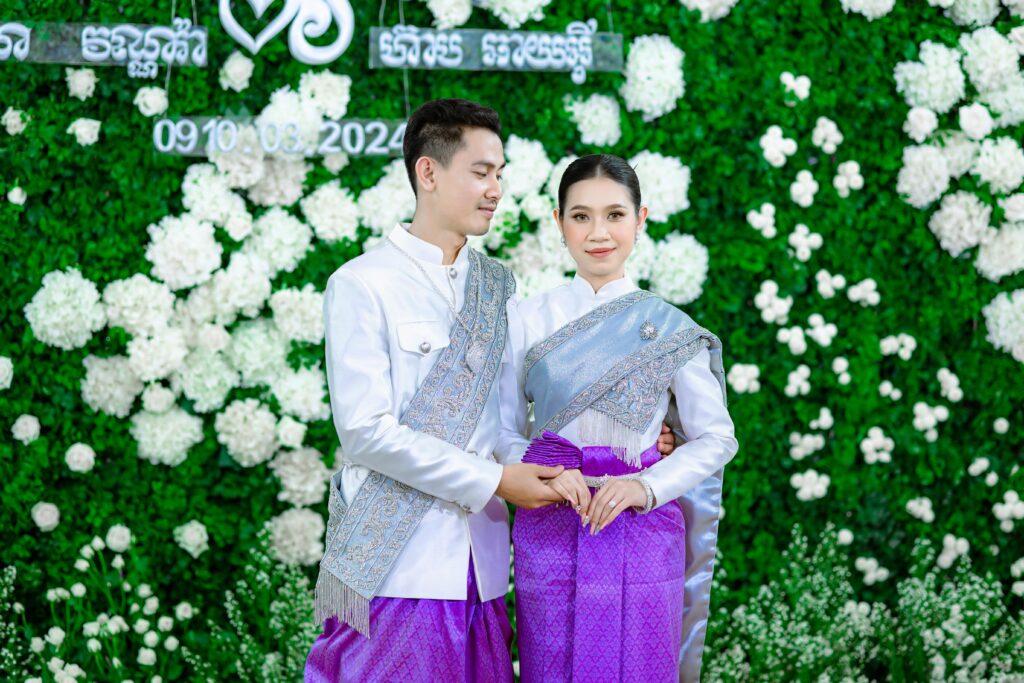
<point x="600" y="226"/>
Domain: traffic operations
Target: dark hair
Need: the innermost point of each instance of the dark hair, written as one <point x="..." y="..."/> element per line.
<point x="435" y="130"/>
<point x="600" y="166"/>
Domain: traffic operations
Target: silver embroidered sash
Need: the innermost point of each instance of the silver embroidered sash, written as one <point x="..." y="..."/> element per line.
<point x="365" y="537"/>
<point x="610" y="368"/>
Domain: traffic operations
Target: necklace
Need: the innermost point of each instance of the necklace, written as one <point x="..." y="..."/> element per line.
<point x="476" y="356"/>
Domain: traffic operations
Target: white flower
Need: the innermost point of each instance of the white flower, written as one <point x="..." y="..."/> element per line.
<point x="744" y="378"/>
<point x="873" y="572"/>
<point x="119" y="538"/>
<point x="952" y="548"/>
<point x="1013" y="207"/>
<point x="298" y="119"/>
<point x="1001" y="425"/>
<point x="710" y="10"/>
<point x="192" y="538"/>
<point x="596" y="118"/>
<point x="156" y="398"/>
<point x="797" y="383"/>
<point x="810" y="485"/>
<point x="151" y="639"/>
<point x="17" y="196"/>
<point x="6" y="373"/>
<point x="961" y="222"/>
<point x="46" y="516"/>
<point x="109" y="385"/>
<point x="804" y="445"/>
<point x="146" y="657"/>
<point x="296" y="536"/>
<point x="183" y="251"/>
<point x="514" y="13"/>
<point x="799" y="86"/>
<point x="151" y="101"/>
<point x="165" y="438"/>
<point x="281" y="182"/>
<point x="935" y="82"/>
<point x="93" y="645"/>
<point x="1000" y="164"/>
<point x="763" y="220"/>
<point x="973" y="12"/>
<point x="864" y="292"/>
<point x="826" y="135"/>
<point x="388" y="202"/>
<point x="921" y="122"/>
<point x="975" y="121"/>
<point x="990" y="60"/>
<point x="927" y="419"/>
<point x="242" y="166"/>
<point x="15" y="121"/>
<point x="845" y="537"/>
<point x="680" y="270"/>
<point x="335" y="162"/>
<point x="327" y="92"/>
<point x="86" y="131"/>
<point x="183" y="611"/>
<point x="528" y="166"/>
<point x="81" y="82"/>
<point x="290" y="432"/>
<point x="165" y="624"/>
<point x="66" y="310"/>
<point x="847" y="178"/>
<point x="303" y="476"/>
<point x="25" y="429"/>
<point x="877" y="447"/>
<point x="80" y="457"/>
<point x="950" y="385"/>
<point x="243" y="287"/>
<point x="774" y="309"/>
<point x="247" y="428"/>
<point x="55" y="636"/>
<point x="775" y="148"/>
<point x="820" y="331"/>
<point x="280" y="239"/>
<point x="872" y="9"/>
<point x="958" y="150"/>
<point x="332" y="211"/>
<point x="803" y="189"/>
<point x="156" y="357"/>
<point x="924" y="176"/>
<point x="206" y="194"/>
<point x="654" y="76"/>
<point x="794" y="338"/>
<point x="664" y="184"/>
<point x="139" y="305"/>
<point x="302" y="393"/>
<point x="1003" y="254"/>
<point x="206" y="378"/>
<point x="449" y="14"/>
<point x="298" y="313"/>
<point x="258" y="351"/>
<point x="236" y="72"/>
<point x="170" y="644"/>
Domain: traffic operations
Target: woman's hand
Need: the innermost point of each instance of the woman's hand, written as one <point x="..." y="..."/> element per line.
<point x="667" y="440"/>
<point x="614" y="497"/>
<point x="569" y="484"/>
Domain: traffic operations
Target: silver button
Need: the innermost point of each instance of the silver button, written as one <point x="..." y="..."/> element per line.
<point x="425" y="347"/>
<point x="452" y="273"/>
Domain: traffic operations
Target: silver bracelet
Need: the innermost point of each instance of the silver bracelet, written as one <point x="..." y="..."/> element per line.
<point x="598" y="482"/>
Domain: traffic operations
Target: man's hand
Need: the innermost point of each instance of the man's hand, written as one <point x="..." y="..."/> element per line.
<point x="573" y="489"/>
<point x="667" y="440"/>
<point x="524" y="485"/>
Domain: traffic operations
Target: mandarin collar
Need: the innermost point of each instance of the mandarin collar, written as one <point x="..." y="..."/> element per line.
<point x="582" y="290"/>
<point x="422" y="250"/>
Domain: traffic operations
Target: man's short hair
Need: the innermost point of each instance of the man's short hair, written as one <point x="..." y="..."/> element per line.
<point x="435" y="130"/>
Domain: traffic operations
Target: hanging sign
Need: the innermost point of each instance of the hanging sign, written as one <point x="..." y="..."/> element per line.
<point x="304" y="19"/>
<point x="140" y="47"/>
<point x="579" y="50"/>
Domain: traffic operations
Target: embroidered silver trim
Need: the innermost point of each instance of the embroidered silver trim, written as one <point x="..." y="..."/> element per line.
<point x="648" y="330"/>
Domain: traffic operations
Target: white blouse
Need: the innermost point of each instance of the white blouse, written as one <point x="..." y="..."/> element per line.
<point x="706" y="425"/>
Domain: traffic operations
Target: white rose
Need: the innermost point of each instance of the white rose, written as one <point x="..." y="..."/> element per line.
<point x="14" y="120"/>
<point x="16" y="195"/>
<point x="80" y="457"/>
<point x="46" y="516"/>
<point x="81" y="82"/>
<point x="6" y="372"/>
<point x="192" y="538"/>
<point x="26" y="429"/>
<point x="151" y="101"/>
<point x="975" y="121"/>
<point x="235" y="73"/>
<point x="119" y="538"/>
<point x="86" y="131"/>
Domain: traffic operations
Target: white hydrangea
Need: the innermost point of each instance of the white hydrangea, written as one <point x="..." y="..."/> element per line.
<point x="1004" y="321"/>
<point x="206" y="378"/>
<point x="242" y="166"/>
<point x="303" y="476"/>
<point x="335" y="162"/>
<point x="776" y="148"/>
<point x="207" y="195"/>
<point x="247" y="428"/>
<point x="763" y="220"/>
<point x="1013" y="207"/>
<point x="66" y="310"/>
<point x="744" y="378"/>
<point x="921" y="508"/>
<point x="774" y="309"/>
<point x="514" y="13"/>
<point x="680" y="270"/>
<point x="877" y="447"/>
<point x="297" y="536"/>
<point x="242" y="287"/>
<point x="165" y="438"/>
<point x="710" y="10"/>
<point x="329" y="93"/>
<point x="1000" y="164"/>
<point x="183" y="251"/>
<point x="961" y="222"/>
<point x="1007" y="101"/>
<point x="281" y="182"/>
<point x="810" y="485"/>
<point x="798" y="86"/>
<point x="935" y="81"/>
<point x="110" y="386"/>
<point x="280" y="239"/>
<point x="973" y="12"/>
<point x="81" y="82"/>
<point x="527" y="168"/>
<point x="332" y="211"/>
<point x="80" y="457"/>
<point x="192" y="537"/>
<point x="804" y="242"/>
<point x="25" y="429"/>
<point x="156" y="398"/>
<point x="664" y="184"/>
<point x="1003" y="254"/>
<point x="302" y="393"/>
<point x="258" y="351"/>
<point x="924" y="176"/>
<point x="298" y="313"/>
<point x="975" y="121"/>
<point x="298" y="119"/>
<point x="596" y="119"/>
<point x="826" y="135"/>
<point x="654" y="76"/>
<point x="389" y="202"/>
<point x="803" y="189"/>
<point x="236" y="72"/>
<point x="156" y="357"/>
<point x="449" y="14"/>
<point x="290" y="432"/>
<point x="990" y="60"/>
<point x="921" y="122"/>
<point x="872" y="9"/>
<point x="46" y="516"/>
<point x="958" y="150"/>
<point x="139" y="305"/>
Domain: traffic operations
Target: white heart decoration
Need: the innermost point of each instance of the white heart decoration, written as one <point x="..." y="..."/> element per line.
<point x="308" y="18"/>
<point x="235" y="30"/>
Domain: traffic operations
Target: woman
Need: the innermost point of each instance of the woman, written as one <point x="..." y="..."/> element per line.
<point x="614" y="585"/>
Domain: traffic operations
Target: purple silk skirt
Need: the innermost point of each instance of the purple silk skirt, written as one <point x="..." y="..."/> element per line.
<point x="418" y="641"/>
<point x="607" y="607"/>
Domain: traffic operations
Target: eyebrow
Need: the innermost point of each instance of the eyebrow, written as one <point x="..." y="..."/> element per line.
<point x="488" y="164"/>
<point x="587" y="208"/>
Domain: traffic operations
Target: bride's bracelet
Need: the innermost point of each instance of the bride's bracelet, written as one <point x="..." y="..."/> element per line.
<point x="598" y="482"/>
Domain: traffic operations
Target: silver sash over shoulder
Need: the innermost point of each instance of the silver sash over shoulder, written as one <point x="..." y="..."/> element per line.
<point x="609" y="369"/>
<point x="365" y="538"/>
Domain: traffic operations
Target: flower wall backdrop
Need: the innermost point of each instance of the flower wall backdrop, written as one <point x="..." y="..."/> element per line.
<point x="834" y="188"/>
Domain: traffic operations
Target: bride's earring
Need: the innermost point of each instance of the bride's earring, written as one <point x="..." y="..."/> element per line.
<point x="563" y="240"/>
<point x="636" y="238"/>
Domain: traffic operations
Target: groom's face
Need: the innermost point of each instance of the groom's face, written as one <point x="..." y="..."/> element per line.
<point x="469" y="188"/>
